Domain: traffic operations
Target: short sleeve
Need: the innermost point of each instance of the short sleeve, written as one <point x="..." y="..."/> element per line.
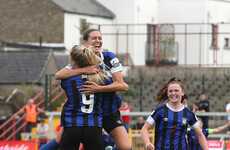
<point x="150" y="120"/>
<point x="194" y="122"/>
<point x="69" y="66"/>
<point x="115" y="63"/>
<point x="154" y="116"/>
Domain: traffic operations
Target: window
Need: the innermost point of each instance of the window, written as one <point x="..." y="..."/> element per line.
<point x="226" y="44"/>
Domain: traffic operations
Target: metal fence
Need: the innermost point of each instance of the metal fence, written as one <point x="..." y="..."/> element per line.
<point x="200" y="44"/>
<point x="220" y="136"/>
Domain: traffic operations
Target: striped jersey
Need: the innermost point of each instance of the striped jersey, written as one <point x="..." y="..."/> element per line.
<point x="193" y="141"/>
<point x="79" y="109"/>
<point x="171" y="127"/>
<point x="111" y="101"/>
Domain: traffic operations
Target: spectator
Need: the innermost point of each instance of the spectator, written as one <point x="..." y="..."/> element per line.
<point x="195" y="107"/>
<point x="139" y="124"/>
<point x="126" y="119"/>
<point x="184" y="100"/>
<point x="42" y="129"/>
<point x="31" y="111"/>
<point x="204" y="107"/>
<point x="228" y="110"/>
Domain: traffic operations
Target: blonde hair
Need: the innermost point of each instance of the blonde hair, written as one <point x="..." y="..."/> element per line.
<point x="162" y="94"/>
<point x="84" y="56"/>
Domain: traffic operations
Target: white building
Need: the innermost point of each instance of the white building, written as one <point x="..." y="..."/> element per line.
<point x="123" y="24"/>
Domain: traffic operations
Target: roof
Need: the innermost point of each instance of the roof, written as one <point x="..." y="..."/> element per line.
<point x="62" y="60"/>
<point x="45" y="46"/>
<point x="22" y="66"/>
<point x="85" y="7"/>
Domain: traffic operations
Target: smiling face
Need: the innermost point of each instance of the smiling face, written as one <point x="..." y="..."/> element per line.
<point x="175" y="93"/>
<point x="95" y="40"/>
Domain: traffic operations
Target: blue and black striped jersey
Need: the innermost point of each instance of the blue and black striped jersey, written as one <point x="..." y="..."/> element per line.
<point x="193" y="141"/>
<point x="111" y="101"/>
<point x="79" y="109"/>
<point x="171" y="127"/>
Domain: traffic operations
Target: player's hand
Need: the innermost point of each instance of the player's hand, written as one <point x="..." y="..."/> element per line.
<point x="150" y="146"/>
<point x="90" y="88"/>
<point x="91" y="69"/>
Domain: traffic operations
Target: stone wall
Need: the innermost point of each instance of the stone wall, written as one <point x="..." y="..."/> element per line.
<point x="27" y="20"/>
<point x="6" y="109"/>
<point x="216" y="85"/>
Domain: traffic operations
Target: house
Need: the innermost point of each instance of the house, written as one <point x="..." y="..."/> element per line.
<point x="190" y="32"/>
<point x="193" y="32"/>
<point x="25" y="67"/>
<point x="48" y="23"/>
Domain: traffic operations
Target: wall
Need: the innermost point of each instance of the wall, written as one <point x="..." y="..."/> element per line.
<point x="171" y="11"/>
<point x="6" y="109"/>
<point x="27" y="20"/>
<point x="132" y="12"/>
<point x="72" y="29"/>
<point x="219" y="11"/>
<point x="216" y="83"/>
<point x="50" y="69"/>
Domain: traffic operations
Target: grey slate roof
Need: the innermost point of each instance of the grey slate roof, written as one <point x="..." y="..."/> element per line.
<point x="85" y="7"/>
<point x="22" y="66"/>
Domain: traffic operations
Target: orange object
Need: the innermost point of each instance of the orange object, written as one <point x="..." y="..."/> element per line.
<point x="31" y="113"/>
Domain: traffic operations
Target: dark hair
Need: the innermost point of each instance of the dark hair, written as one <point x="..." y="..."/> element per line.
<point x="162" y="94"/>
<point x="197" y="104"/>
<point x="184" y="97"/>
<point x="87" y="32"/>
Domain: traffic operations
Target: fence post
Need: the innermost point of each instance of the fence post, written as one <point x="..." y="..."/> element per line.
<point x="50" y="93"/>
<point x="46" y="91"/>
<point x="203" y="89"/>
<point x="141" y="81"/>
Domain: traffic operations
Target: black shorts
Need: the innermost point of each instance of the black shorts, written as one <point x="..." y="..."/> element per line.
<point x="112" y="121"/>
<point x="91" y="137"/>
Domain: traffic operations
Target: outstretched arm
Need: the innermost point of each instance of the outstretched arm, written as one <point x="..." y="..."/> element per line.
<point x="221" y="128"/>
<point x="66" y="73"/>
<point x="22" y="110"/>
<point x="41" y="110"/>
<point x="201" y="138"/>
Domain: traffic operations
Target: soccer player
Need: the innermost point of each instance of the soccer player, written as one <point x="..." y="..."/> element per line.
<point x="171" y="120"/>
<point x="111" y="102"/>
<point x="192" y="138"/>
<point x="81" y="115"/>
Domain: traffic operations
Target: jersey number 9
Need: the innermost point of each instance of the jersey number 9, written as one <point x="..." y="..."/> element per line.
<point x="88" y="102"/>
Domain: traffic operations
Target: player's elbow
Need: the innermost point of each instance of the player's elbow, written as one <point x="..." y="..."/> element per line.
<point x="57" y="76"/>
